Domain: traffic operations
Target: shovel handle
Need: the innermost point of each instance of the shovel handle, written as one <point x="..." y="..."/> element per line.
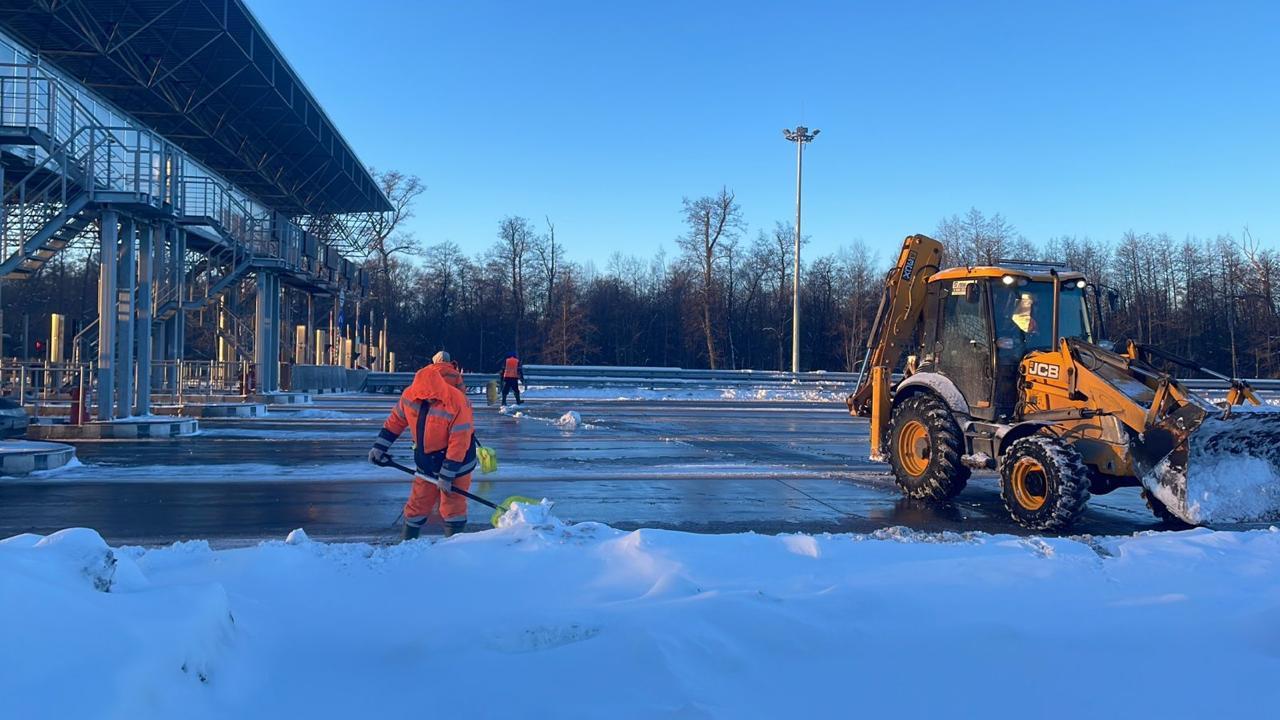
<point x="479" y="499"/>
<point x="460" y="491"/>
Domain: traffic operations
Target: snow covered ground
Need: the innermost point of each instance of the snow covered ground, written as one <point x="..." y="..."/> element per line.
<point x="541" y="619"/>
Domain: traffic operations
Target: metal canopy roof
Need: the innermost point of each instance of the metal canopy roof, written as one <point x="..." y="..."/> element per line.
<point x="205" y="75"/>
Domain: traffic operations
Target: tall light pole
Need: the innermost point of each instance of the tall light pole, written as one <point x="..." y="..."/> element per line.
<point x="799" y="136"/>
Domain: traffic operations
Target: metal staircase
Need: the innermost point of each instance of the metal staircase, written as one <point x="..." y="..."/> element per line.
<point x="239" y="336"/>
<point x="54" y="234"/>
<point x="63" y="161"/>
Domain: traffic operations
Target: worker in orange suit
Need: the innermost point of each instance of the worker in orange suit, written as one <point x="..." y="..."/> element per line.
<point x="449" y="370"/>
<point x="512" y="375"/>
<point x="444" y="449"/>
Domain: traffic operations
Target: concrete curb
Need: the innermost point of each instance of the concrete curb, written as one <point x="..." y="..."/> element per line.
<point x="22" y="457"/>
<point x="284" y="398"/>
<point x="214" y="410"/>
<point x="129" y="429"/>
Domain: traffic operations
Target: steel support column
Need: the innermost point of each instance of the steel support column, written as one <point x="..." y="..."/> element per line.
<point x="178" y="323"/>
<point x="310" y="355"/>
<point x="266" y="345"/>
<point x="287" y="352"/>
<point x="224" y="352"/>
<point x="142" y="315"/>
<point x="160" y="276"/>
<point x="331" y="357"/>
<point x="127" y="277"/>
<point x="277" y="298"/>
<point x="108" y="247"/>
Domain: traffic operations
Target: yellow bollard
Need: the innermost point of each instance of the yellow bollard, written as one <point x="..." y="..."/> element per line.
<point x="491" y="392"/>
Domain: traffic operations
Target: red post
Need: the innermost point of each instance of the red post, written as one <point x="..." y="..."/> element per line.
<point x="77" y="407"/>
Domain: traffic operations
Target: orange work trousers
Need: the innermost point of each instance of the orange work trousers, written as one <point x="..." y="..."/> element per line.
<point x="424" y="497"/>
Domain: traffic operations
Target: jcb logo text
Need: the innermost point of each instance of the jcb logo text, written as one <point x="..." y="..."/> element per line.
<point x="1044" y="370"/>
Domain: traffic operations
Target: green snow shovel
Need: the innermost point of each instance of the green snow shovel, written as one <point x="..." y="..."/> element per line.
<point x="498" y="509"/>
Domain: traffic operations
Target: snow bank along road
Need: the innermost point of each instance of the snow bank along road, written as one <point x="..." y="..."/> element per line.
<point x="670" y="459"/>
<point x="542" y="620"/>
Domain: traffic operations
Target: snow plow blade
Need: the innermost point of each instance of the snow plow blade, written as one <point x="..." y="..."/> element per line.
<point x="1226" y="471"/>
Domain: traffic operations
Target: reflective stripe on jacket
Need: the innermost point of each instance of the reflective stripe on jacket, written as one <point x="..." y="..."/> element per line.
<point x="441" y="423"/>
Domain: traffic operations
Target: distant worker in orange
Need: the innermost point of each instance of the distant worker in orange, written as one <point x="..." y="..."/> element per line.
<point x="512" y="376"/>
<point x="444" y="448"/>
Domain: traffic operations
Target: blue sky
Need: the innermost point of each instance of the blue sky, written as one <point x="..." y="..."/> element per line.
<point x="1085" y="118"/>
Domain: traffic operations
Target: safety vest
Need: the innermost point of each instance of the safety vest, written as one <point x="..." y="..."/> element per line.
<point x="511" y="368"/>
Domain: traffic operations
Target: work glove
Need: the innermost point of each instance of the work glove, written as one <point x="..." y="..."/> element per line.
<point x="379" y="453"/>
<point x="444" y="483"/>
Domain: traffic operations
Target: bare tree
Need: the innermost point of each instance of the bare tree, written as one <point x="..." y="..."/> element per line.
<point x="976" y="239"/>
<point x="550" y="256"/>
<point x="390" y="240"/>
<point x="714" y="222"/>
<point x="566" y="337"/>
<point x="515" y="238"/>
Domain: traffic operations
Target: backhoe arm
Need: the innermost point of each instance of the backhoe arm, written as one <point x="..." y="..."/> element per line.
<point x="901" y="306"/>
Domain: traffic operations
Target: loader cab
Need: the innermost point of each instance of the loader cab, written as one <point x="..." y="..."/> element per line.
<point x="984" y="322"/>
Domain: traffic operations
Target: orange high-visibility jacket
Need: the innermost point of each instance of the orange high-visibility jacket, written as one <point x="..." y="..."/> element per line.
<point x="511" y="368"/>
<point x="441" y="423"/>
<point x="450" y="373"/>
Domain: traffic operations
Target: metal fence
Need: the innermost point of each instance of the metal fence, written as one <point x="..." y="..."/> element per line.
<point x="50" y="388"/>
<point x="39" y="385"/>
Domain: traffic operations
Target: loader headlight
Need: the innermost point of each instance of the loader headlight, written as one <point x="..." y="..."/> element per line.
<point x="1007" y="280"/>
<point x="1080" y="284"/>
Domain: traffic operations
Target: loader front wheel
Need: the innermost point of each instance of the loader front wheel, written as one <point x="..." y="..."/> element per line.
<point x="1044" y="483"/>
<point x="924" y="448"/>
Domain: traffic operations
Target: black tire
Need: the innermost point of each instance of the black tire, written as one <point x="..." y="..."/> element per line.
<point x="1162" y="513"/>
<point x="1044" y="483"/>
<point x="934" y="471"/>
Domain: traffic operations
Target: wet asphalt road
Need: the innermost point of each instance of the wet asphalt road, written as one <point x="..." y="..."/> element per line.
<point x="705" y="466"/>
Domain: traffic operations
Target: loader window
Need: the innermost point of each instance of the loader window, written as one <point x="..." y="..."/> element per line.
<point x="1024" y="317"/>
<point x="964" y="340"/>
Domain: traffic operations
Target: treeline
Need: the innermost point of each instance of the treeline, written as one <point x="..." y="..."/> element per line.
<point x="725" y="299"/>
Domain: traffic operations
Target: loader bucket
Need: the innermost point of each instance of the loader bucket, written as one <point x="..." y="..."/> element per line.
<point x="1226" y="471"/>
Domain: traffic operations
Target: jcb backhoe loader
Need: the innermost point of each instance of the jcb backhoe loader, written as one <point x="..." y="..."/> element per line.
<point x="1006" y="370"/>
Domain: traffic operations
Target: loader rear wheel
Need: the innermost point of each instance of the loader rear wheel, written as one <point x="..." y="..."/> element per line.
<point x="924" y="448"/>
<point x="1161" y="511"/>
<point x="1044" y="483"/>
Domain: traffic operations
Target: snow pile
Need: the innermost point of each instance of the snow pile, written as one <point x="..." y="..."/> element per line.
<point x="587" y="621"/>
<point x="1232" y="473"/>
<point x="571" y="420"/>
<point x="538" y="516"/>
<point x="87" y="634"/>
<point x="775" y="392"/>
<point x="785" y="393"/>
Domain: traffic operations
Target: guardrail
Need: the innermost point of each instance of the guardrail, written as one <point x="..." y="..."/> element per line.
<point x="603" y="376"/>
<point x="674" y="377"/>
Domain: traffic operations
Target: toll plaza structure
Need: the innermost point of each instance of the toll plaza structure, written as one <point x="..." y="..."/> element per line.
<point x="176" y="139"/>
